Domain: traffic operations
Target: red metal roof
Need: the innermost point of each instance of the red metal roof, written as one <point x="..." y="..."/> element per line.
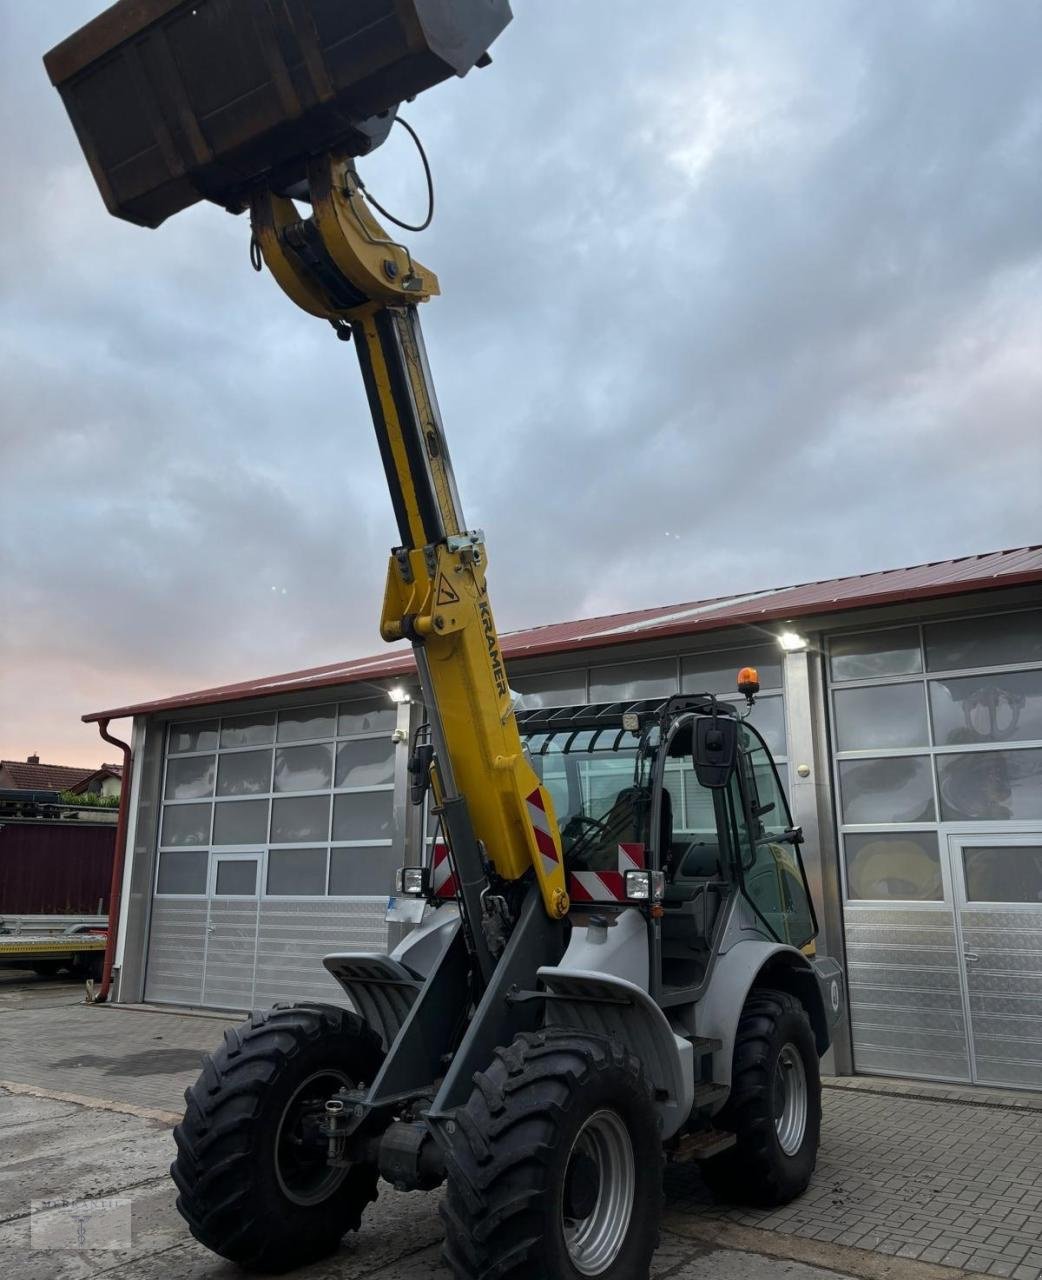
<point x="941" y="578"/>
<point x="23" y="775"/>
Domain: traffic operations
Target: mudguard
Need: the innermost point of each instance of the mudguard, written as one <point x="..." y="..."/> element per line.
<point x="734" y="974"/>
<point x="383" y="989"/>
<point x="603" y="1005"/>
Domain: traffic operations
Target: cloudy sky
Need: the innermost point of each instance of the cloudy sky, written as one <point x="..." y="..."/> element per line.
<point x="736" y="295"/>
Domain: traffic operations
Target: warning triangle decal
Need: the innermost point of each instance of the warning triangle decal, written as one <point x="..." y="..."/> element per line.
<point x="446" y="594"/>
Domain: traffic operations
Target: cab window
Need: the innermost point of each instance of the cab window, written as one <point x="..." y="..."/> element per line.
<point x="772" y="874"/>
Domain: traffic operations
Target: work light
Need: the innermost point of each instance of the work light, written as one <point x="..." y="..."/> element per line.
<point x="645" y="886"/>
<point x="412" y="882"/>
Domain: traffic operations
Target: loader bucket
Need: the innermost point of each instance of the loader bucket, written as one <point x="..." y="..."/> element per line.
<point x="176" y="101"/>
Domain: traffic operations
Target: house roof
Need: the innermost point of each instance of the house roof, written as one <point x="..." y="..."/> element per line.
<point x="25" y="776"/>
<point x="937" y="579"/>
<point x="105" y="771"/>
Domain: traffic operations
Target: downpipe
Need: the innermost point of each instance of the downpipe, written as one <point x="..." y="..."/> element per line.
<point x="118" y="862"/>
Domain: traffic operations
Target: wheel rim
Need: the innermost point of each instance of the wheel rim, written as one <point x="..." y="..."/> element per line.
<point x="790" y="1100"/>
<point x="600" y="1182"/>
<point x="303" y="1175"/>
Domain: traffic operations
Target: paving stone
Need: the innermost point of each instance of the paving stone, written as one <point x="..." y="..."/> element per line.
<point x="947" y="1176"/>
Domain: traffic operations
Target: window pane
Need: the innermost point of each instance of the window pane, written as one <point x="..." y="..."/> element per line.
<point x="554" y="689"/>
<point x="366" y="763"/>
<point x="183" y="871"/>
<point x="987" y="708"/>
<point x="879" y="653"/>
<point x="299" y="819"/>
<point x="362" y="870"/>
<point x="236" y="877"/>
<point x="365" y="815"/>
<point x="304" y="768"/>
<point x="990" y="784"/>
<point x="240" y="822"/>
<point x="248" y="731"/>
<point x="629" y="681"/>
<point x="768" y="715"/>
<point x="718" y="672"/>
<point x="371" y="716"/>
<point x="200" y="735"/>
<point x="297" y="871"/>
<point x="1003" y="873"/>
<point x="895" y="864"/>
<point x="984" y="642"/>
<point x="186" y="824"/>
<point x="190" y="779"/>
<point x="308" y="722"/>
<point x="881" y="715"/>
<point x="699" y="813"/>
<point x="895" y="789"/>
<point x="245" y="773"/>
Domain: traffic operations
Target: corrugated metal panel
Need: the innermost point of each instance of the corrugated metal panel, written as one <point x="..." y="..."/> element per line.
<point x="947" y="577"/>
<point x="906" y="1009"/>
<point x="231" y="955"/>
<point x="294" y="936"/>
<point x="55" y="868"/>
<point x="176" y="950"/>
<point x="1005" y="993"/>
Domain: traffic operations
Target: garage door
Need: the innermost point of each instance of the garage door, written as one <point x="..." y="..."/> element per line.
<point x="276" y="846"/>
<point x="937" y="737"/>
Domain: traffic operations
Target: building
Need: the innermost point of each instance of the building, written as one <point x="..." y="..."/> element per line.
<point x="905" y="707"/>
<point x="105" y="782"/>
<point x="55" y="857"/>
<point x="30" y="775"/>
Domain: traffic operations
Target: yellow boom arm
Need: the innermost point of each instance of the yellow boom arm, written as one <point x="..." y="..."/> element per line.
<point x="341" y="265"/>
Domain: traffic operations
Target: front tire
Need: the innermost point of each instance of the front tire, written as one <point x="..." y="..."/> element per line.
<point x="556" y="1172"/>
<point x="774" y="1107"/>
<point x="253" y="1180"/>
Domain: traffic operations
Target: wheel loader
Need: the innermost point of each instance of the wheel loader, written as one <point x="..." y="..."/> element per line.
<point x="612" y="960"/>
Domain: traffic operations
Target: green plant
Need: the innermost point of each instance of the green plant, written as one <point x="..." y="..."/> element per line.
<point x="89" y="800"/>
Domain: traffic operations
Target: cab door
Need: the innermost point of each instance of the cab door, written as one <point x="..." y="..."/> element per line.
<point x="772" y="875"/>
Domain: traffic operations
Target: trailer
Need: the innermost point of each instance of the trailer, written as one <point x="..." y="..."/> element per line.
<point x="79" y="950"/>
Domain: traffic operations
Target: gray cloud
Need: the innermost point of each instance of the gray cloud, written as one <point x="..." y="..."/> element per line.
<point x="735" y="295"/>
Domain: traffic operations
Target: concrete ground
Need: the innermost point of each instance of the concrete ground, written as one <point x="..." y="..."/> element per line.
<point x="912" y="1180"/>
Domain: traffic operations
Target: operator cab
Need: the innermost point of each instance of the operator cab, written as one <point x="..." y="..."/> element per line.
<point x="683" y="787"/>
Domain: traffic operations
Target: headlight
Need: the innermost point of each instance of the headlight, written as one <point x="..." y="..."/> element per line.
<point x="645" y="886"/>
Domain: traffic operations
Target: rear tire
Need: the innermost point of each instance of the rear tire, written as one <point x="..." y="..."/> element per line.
<point x="774" y="1107"/>
<point x="556" y="1172"/>
<point x="46" y="968"/>
<point x="252" y="1187"/>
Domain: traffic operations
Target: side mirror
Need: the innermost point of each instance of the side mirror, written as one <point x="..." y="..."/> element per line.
<point x="715" y="750"/>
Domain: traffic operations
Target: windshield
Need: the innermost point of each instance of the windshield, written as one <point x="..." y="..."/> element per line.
<point x="599" y="799"/>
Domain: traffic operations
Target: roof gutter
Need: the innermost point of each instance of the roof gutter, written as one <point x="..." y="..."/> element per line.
<point x="118" y="862"/>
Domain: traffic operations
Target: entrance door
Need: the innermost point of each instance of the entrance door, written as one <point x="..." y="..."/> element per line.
<point x="997" y="881"/>
<point x="231" y="930"/>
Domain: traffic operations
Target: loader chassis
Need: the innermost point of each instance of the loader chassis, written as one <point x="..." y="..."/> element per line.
<point x="622" y="969"/>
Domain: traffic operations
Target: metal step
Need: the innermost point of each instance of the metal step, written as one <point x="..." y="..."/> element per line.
<point x="705" y="1044"/>
<point x="702" y="1145"/>
<point x="707" y="1095"/>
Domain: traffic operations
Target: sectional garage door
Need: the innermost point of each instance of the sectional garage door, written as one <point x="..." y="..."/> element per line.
<point x="937" y="736"/>
<point x="276" y="846"/>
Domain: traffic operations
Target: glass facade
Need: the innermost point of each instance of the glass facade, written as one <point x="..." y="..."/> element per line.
<point x="309" y="790"/>
<point x="933" y="725"/>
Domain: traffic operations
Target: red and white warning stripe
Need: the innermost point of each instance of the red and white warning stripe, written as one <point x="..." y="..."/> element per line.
<point x="443" y="879"/>
<point x="541" y="827"/>
<point x="607" y="886"/>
